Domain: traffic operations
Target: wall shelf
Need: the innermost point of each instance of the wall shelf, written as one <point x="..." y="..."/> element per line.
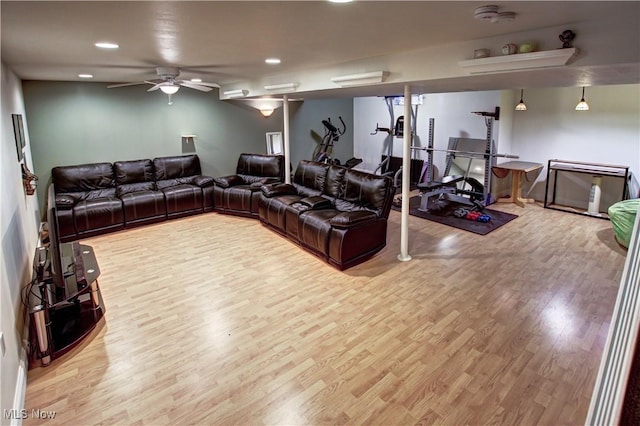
<point x="520" y="61"/>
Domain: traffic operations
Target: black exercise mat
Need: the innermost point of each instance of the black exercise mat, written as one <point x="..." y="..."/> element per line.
<point x="497" y="218"/>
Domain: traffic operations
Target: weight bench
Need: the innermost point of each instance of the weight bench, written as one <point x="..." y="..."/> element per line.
<point x="429" y="189"/>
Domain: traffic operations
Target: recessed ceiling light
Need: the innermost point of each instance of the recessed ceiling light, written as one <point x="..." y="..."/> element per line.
<point x="196" y="80"/>
<point x="272" y="61"/>
<point x="106" y="45"/>
<point x="85" y="75"/>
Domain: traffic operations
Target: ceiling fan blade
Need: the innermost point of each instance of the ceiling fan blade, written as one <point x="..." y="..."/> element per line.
<point x="202" y="83"/>
<point x="156" y="87"/>
<point x="111" y="86"/>
<point x="196" y="86"/>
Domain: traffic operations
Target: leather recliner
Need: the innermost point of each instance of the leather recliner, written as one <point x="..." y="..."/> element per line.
<point x="336" y="213"/>
<point x="239" y="194"/>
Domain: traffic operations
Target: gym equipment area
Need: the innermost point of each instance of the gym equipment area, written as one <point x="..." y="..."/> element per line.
<point x="323" y="152"/>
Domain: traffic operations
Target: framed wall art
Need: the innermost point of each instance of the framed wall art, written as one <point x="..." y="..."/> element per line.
<point x="18" y="132"/>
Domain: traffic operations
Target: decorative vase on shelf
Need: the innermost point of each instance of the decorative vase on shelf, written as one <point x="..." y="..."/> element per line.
<point x="526" y="47"/>
<point x="509" y="49"/>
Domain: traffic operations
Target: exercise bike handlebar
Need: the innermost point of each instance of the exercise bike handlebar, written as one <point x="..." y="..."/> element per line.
<point x="333" y="129"/>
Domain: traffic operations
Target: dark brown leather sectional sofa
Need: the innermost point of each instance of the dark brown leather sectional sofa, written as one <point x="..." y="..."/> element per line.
<point x="93" y="199"/>
<point x="339" y="214"/>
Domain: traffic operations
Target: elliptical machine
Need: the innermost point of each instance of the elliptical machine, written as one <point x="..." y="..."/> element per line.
<point x="323" y="151"/>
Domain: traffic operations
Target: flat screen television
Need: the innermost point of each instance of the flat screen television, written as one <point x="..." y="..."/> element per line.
<point x="60" y="266"/>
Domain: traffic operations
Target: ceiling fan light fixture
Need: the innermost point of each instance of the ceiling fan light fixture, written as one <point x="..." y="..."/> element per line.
<point x="170" y="89"/>
<point x="85" y="75"/>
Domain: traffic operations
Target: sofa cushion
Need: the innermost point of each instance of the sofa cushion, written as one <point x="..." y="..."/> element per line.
<point x="134" y="171"/>
<point x="364" y="191"/>
<point x="310" y="177"/>
<point x="84" y="177"/>
<point x="167" y="168"/>
<point x="334" y="182"/>
<point x="129" y="188"/>
<point x="142" y="205"/>
<point x="168" y="183"/>
<point x="228" y="181"/>
<point x="183" y="199"/>
<point x="100" y="213"/>
<point x="256" y="166"/>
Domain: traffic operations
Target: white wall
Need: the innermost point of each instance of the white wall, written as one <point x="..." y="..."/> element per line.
<point x="551" y="128"/>
<point x="19" y="227"/>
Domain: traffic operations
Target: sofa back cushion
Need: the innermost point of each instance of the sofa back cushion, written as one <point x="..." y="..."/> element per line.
<point x="334" y="182"/>
<point x="309" y="178"/>
<point x="133" y="176"/>
<point x="172" y="171"/>
<point x="365" y="191"/>
<point x="253" y="167"/>
<point x="176" y="167"/>
<point x="84" y="181"/>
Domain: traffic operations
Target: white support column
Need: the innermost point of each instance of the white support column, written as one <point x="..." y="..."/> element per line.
<point x="406" y="168"/>
<point x="287" y="153"/>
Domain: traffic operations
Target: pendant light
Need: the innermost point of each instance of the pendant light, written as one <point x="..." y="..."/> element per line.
<point x="521" y="106"/>
<point x="582" y="105"/>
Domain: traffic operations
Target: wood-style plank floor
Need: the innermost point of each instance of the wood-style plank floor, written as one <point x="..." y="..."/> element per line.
<point x="215" y="319"/>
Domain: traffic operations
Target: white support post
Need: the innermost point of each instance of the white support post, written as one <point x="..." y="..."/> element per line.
<point x="406" y="169"/>
<point x="287" y="153"/>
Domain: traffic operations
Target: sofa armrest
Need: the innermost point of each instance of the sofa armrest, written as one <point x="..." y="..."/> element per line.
<point x="316" y="203"/>
<point x="65" y="202"/>
<point x="228" y="181"/>
<point x="277" y="189"/>
<point x="349" y="219"/>
<point x="203" y="181"/>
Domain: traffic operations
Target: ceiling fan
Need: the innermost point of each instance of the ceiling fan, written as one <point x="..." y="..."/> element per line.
<point x="169" y="83"/>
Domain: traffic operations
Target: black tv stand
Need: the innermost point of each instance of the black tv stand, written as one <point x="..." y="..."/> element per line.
<point x="60" y="320"/>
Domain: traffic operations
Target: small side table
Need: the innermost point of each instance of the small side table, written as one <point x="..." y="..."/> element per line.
<point x="518" y="170"/>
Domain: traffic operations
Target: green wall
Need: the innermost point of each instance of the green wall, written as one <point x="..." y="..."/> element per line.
<point x="75" y="123"/>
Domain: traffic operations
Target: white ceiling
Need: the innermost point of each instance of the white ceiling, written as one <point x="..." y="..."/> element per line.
<point x="227" y="42"/>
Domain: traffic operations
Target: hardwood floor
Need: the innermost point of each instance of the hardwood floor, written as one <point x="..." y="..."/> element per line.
<point x="214" y="319"/>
